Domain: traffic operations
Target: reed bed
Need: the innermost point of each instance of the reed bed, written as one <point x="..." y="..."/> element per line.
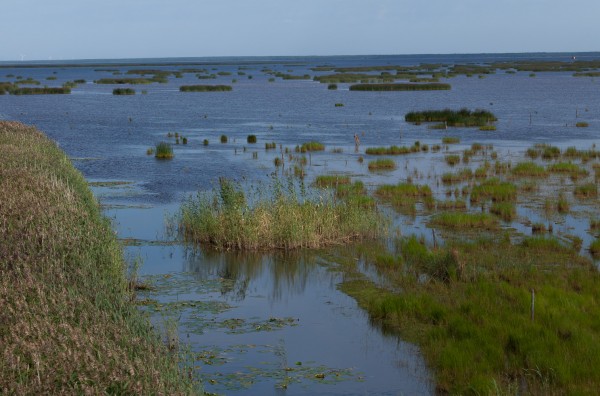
<point x="68" y="324"/>
<point x="279" y="217"/>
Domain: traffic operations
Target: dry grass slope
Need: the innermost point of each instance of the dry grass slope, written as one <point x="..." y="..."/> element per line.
<point x="67" y="323"/>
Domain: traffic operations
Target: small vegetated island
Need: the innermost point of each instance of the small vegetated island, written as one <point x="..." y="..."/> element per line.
<point x="401" y="87"/>
<point x="453" y="118"/>
<point x="205" y="88"/>
<point x="123" y="91"/>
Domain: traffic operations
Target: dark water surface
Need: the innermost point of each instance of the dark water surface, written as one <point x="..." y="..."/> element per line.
<point x="274" y="324"/>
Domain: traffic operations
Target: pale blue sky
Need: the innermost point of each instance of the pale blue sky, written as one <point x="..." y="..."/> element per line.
<point x="85" y="29"/>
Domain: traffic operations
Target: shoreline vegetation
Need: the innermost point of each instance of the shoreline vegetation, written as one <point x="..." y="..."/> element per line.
<point x="68" y="323"/>
<point x="468" y="306"/>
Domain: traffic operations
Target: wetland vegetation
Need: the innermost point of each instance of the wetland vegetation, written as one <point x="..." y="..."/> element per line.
<point x="401" y="87"/>
<point x="205" y="88"/>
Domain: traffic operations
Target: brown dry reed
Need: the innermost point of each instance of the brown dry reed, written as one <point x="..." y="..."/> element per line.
<point x="68" y="324"/>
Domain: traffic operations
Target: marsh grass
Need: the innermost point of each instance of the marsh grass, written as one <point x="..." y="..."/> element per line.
<point x="582" y="124"/>
<point x="401" y="87"/>
<point x="495" y="190"/>
<point x="68" y="323"/>
<point x="251" y="139"/>
<point x="310" y="146"/>
<point x="393" y="150"/>
<point x="205" y="88"/>
<point x="453" y="159"/>
<point x="331" y="180"/>
<point x="507" y="211"/>
<point x="528" y="169"/>
<point x="382" y="164"/>
<point x="457" y="177"/>
<point x="123" y="91"/>
<point x="464" y="221"/>
<point x="164" y="150"/>
<point x="279" y="217"/>
<point x="588" y="190"/>
<point x="467" y="307"/>
<point x="450" y="140"/>
<point x="223" y="138"/>
<point x="454" y="118"/>
<point x="573" y="170"/>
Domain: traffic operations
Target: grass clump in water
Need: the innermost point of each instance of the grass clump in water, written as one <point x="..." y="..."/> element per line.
<point x="507" y="211"/>
<point x="205" y="88"/>
<point x="392" y="150"/>
<point x="450" y="140"/>
<point x="68" y="324"/>
<point x="310" y="146"/>
<point x="529" y="169"/>
<point x="460" y="118"/>
<point x="382" y="164"/>
<point x="582" y="124"/>
<point x="163" y="151"/>
<point x="123" y="91"/>
<point x="452" y="159"/>
<point x="331" y="180"/>
<point x="400" y="87"/>
<point x="588" y="190"/>
<point x="464" y="221"/>
<point x="574" y="170"/>
<point x="494" y="189"/>
<point x="279" y="218"/>
<point x="251" y="139"/>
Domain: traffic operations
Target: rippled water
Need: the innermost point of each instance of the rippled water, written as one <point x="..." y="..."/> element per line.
<point x="253" y="316"/>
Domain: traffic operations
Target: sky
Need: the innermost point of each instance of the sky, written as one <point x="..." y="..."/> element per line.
<point x="101" y="29"/>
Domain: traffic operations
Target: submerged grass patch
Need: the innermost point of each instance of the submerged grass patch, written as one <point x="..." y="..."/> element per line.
<point x="68" y="324"/>
<point x="280" y="217"/>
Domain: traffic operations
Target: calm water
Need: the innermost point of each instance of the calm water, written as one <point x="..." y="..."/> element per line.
<point x="251" y="317"/>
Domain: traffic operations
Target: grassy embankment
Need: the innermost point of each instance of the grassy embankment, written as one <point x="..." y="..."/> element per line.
<point x="67" y="323"/>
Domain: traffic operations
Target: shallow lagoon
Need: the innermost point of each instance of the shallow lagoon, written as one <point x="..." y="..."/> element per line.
<point x="252" y="317"/>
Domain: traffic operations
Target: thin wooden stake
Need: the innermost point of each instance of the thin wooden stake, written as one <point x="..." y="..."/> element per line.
<point x="532" y="304"/>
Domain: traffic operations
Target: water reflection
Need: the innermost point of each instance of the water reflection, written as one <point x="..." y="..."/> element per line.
<point x="281" y="274"/>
